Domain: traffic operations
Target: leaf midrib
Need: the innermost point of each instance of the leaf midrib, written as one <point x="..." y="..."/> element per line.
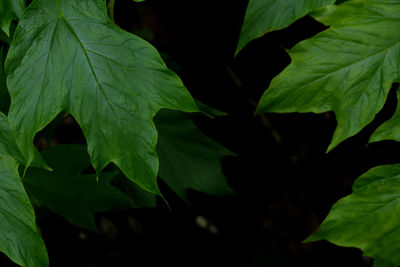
<point x="69" y="26"/>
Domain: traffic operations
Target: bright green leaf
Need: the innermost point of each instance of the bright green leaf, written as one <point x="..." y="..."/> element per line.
<point x="10" y="10"/>
<point x="369" y="217"/>
<point x="74" y="58"/>
<point x="19" y="238"/>
<point x="69" y="193"/>
<point x="188" y="158"/>
<point x="347" y="69"/>
<point x="263" y="16"/>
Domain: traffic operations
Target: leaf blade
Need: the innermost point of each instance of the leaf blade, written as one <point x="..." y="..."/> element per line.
<point x="19" y="238"/>
<point x="353" y="77"/>
<point x="263" y="16"/>
<point x="367" y="218"/>
<point x="119" y="90"/>
<point x="73" y="195"/>
<point x="188" y="158"/>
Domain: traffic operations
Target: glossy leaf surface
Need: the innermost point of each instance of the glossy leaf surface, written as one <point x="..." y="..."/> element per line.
<point x="67" y="55"/>
<point x="188" y="158"/>
<point x="369" y="217"/>
<point x="19" y="237"/>
<point x="68" y="192"/>
<point x="347" y="69"/>
<point x="263" y="16"/>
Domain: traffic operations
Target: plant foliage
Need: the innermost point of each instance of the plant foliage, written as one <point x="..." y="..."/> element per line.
<point x="68" y="56"/>
<point x="349" y="69"/>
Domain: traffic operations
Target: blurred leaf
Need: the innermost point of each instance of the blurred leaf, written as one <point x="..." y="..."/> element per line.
<point x="68" y="192"/>
<point x="140" y="197"/>
<point x="188" y="158"/>
<point x="10" y="10"/>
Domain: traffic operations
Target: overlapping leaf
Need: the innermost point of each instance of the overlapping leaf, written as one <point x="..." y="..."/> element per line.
<point x="369" y="217"/>
<point x="263" y="16"/>
<point x="69" y="193"/>
<point x="19" y="237"/>
<point x="10" y="10"/>
<point x="67" y="55"/>
<point x="188" y="158"/>
<point x="347" y="69"/>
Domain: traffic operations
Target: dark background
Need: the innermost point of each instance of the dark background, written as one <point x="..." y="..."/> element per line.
<point x="283" y="180"/>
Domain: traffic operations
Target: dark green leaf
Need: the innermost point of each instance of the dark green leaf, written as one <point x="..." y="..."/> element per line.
<point x="368" y="218"/>
<point x="140" y="197"/>
<point x="263" y="16"/>
<point x="69" y="193"/>
<point x="10" y="10"/>
<point x="19" y="238"/>
<point x="188" y="158"/>
<point x="74" y="58"/>
<point x="347" y="69"/>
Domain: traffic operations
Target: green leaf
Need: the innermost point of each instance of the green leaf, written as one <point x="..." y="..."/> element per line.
<point x="188" y="158"/>
<point x="140" y="197"/>
<point x="68" y="192"/>
<point x="10" y="10"/>
<point x="210" y="111"/>
<point x="347" y="69"/>
<point x="8" y="138"/>
<point x="19" y="237"/>
<point x="4" y="96"/>
<point x="368" y="218"/>
<point x="390" y="130"/>
<point x="263" y="16"/>
<point x="74" y="58"/>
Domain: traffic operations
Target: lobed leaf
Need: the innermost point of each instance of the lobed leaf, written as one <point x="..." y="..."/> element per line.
<point x="263" y="16"/>
<point x="19" y="237"/>
<point x="67" y="55"/>
<point x="347" y="69"/>
<point x="368" y="218"/>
